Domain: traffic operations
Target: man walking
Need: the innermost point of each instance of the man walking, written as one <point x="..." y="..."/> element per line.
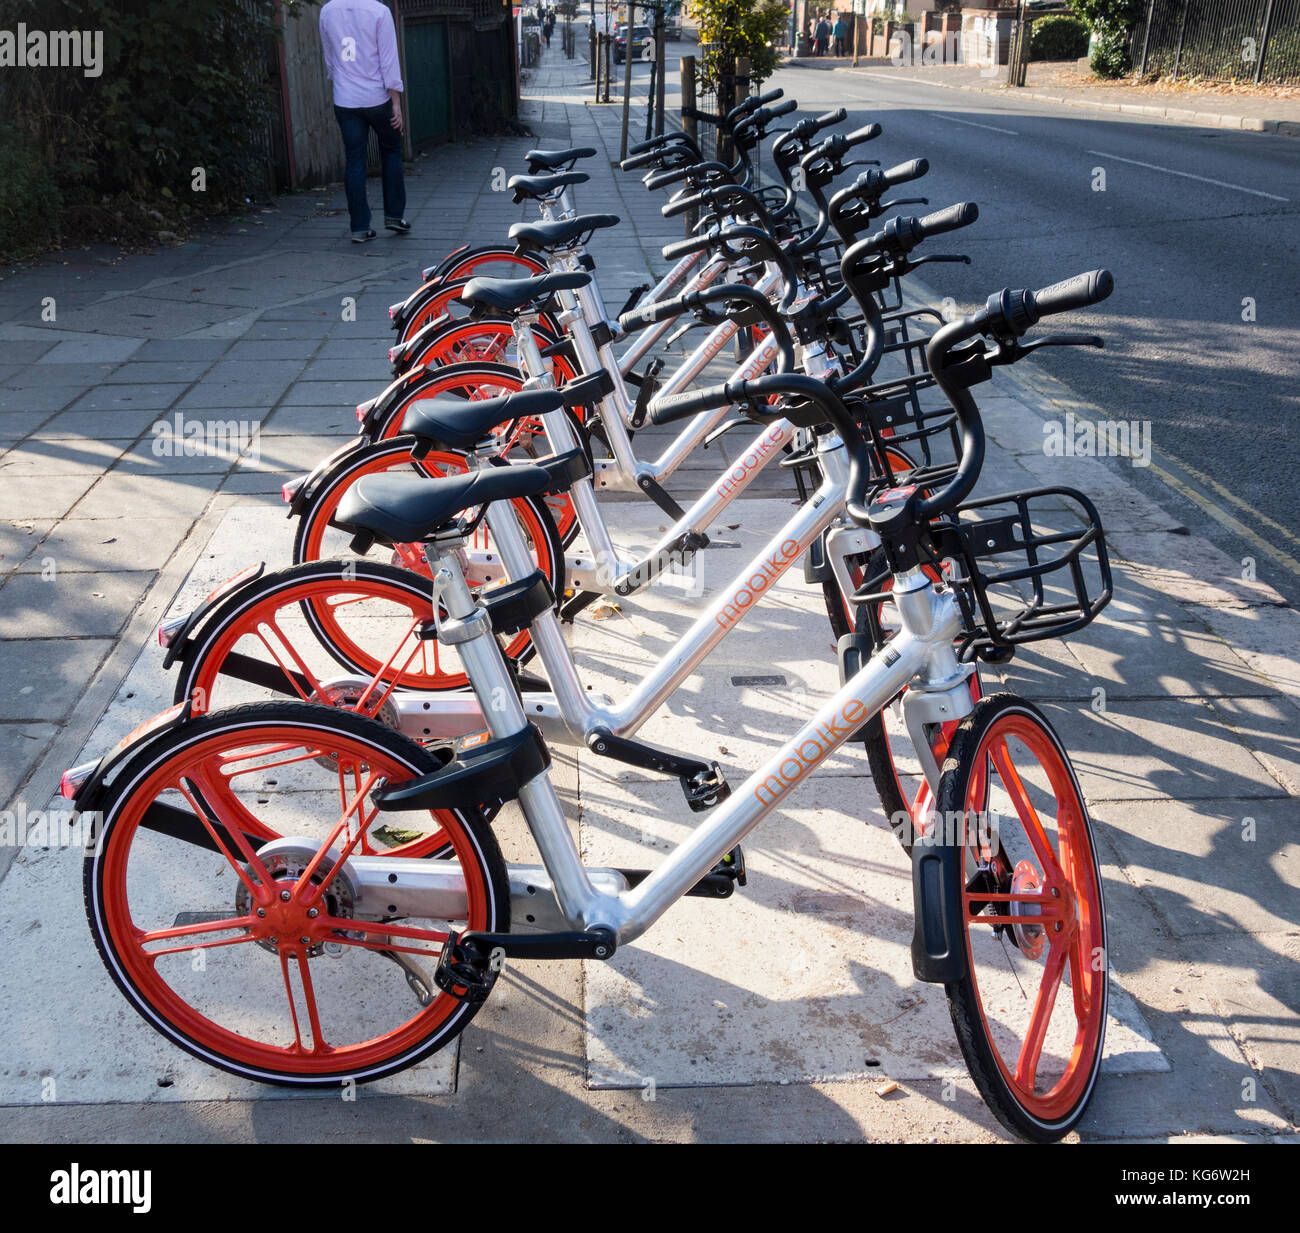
<point x="821" y="35"/>
<point x="841" y="36"/>
<point x="359" y="41"/>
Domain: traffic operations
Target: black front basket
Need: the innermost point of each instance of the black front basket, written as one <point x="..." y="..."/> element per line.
<point x="1025" y="583"/>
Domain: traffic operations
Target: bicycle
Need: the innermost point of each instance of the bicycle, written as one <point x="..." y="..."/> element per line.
<point x="999" y="873"/>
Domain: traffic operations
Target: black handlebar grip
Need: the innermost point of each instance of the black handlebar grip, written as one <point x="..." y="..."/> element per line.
<point x="770" y="97"/>
<point x="838" y="116"/>
<point x="679" y="205"/>
<point x="678" y="406"/>
<point x="673" y="175"/>
<point x="641" y="160"/>
<point x="867" y="133"/>
<point x="906" y="171"/>
<point x="683" y="248"/>
<point x="960" y="215"/>
<point x="654" y="143"/>
<point x="784" y="109"/>
<point x="651" y="314"/>
<point x="1077" y="292"/>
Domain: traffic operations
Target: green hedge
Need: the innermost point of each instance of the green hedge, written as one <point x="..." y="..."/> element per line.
<point x="1058" y="38"/>
<point x="182" y="85"/>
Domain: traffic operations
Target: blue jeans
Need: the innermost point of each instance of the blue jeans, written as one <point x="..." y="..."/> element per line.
<point x="355" y="124"/>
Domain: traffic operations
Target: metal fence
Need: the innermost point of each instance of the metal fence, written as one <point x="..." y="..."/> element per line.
<point x="1220" y="40"/>
<point x="714" y="101"/>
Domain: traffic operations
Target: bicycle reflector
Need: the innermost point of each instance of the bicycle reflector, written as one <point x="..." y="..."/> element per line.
<point x="168" y="630"/>
<point x="72" y="780"/>
<point x="394" y="308"/>
<point x="363" y="409"/>
<point x="291" y="488"/>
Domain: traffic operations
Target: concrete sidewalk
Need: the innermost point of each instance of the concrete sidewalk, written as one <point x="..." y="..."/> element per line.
<point x="747" y="1032"/>
<point x="1067" y="84"/>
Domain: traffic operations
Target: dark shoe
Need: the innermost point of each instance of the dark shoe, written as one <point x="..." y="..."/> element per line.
<point x="397" y="224"/>
<point x="360" y="237"/>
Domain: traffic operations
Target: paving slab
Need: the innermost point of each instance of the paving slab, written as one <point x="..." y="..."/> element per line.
<point x="1268" y="728"/>
<point x="1210" y="868"/>
<point x="1190" y="570"/>
<point x="38" y="496"/>
<point x="91" y="350"/>
<point x="1161" y="659"/>
<point x="18" y="539"/>
<point x="1152" y="749"/>
<point x="154" y="495"/>
<point x="107" y="545"/>
<point x="21" y="744"/>
<point x="45" y="678"/>
<point x="68" y="604"/>
<point x="130" y="397"/>
<point x="59" y="458"/>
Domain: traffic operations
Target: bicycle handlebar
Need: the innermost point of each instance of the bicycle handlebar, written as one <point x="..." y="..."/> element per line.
<point x="663" y="310"/>
<point x="1007" y="314"/>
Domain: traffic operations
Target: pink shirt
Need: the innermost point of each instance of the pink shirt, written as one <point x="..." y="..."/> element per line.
<point x="359" y="41"/>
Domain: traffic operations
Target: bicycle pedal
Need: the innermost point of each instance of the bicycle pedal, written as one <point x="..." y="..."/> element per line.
<point x="464" y="972"/>
<point x="721" y="881"/>
<point x="705" y="789"/>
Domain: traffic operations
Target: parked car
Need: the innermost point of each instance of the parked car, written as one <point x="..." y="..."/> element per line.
<point x="641" y="35"/>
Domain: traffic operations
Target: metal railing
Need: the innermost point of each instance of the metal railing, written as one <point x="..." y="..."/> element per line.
<point x="1220" y="40"/>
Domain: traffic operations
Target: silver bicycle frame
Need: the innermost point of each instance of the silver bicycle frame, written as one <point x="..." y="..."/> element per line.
<point x="583" y="714"/>
<point x="672" y="283"/>
<point x="920" y="655"/>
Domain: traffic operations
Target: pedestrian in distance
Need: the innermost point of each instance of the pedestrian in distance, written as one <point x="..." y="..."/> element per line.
<point x="359" y="42"/>
<point x="841" y="36"/>
<point x="821" y="36"/>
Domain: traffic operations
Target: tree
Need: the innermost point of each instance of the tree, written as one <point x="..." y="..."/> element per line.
<point x="1112" y="21"/>
<point x="732" y="29"/>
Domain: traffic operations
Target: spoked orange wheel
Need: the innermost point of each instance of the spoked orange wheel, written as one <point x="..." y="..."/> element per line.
<point x="317" y="539"/>
<point x="226" y="911"/>
<point x="1030" y="1013"/>
<point x="339" y="633"/>
<point x="477" y="380"/>
<point x="365" y="615"/>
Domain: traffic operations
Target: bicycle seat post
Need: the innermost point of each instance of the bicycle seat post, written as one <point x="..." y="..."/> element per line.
<point x="562" y="439"/>
<point x="467" y="628"/>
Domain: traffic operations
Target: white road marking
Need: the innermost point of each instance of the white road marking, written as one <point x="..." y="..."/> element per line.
<point x="1187" y="175"/>
<point x="945" y="115"/>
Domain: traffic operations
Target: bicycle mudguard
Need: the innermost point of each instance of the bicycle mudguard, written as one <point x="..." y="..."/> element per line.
<point x="938" y="940"/>
<point x="372" y="413"/>
<point x="178" y="635"/>
<point x="302" y="494"/>
<point x="433" y="273"/>
<point x="90" y="790"/>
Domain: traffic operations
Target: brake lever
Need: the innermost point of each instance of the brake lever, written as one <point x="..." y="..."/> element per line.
<point x="1063" y="340"/>
<point x="902" y="201"/>
<point x="962" y="260"/>
<point x="860" y="162"/>
<point x="1009" y="350"/>
<point x="681" y="331"/>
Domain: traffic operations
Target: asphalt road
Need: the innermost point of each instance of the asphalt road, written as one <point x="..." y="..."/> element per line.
<point x="1193" y="223"/>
